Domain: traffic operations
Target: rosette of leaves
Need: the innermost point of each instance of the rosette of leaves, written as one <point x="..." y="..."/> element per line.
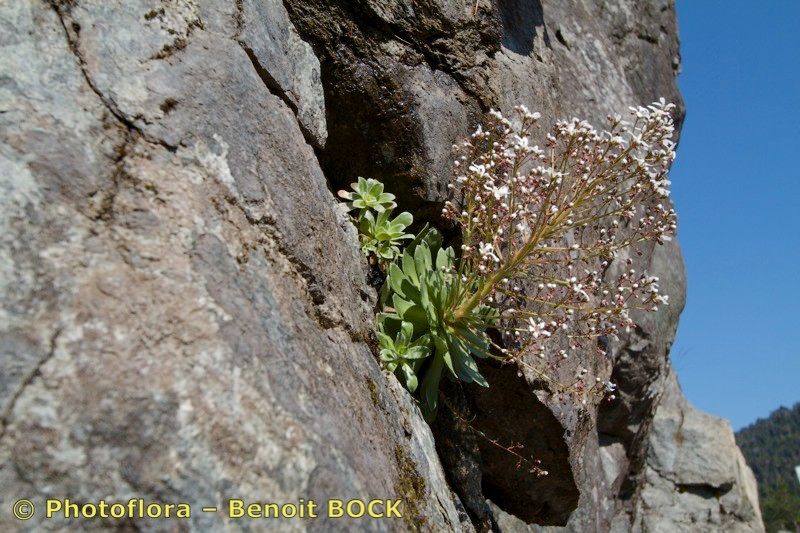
<point x="367" y="194"/>
<point x="382" y="236"/>
<point x="403" y="354"/>
<point x="424" y="290"/>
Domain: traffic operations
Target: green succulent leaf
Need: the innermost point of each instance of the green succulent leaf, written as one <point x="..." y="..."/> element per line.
<point x="384" y="340"/>
<point x="366" y="195"/>
<point x="476" y="342"/>
<point x="411" y="290"/>
<point x="445" y="259"/>
<point x="430" y="386"/>
<point x="427" y="307"/>
<point x="464" y="365"/>
<point x="401" y="306"/>
<point x="381" y="236"/>
<point x="427" y="235"/>
<point x="396" y="278"/>
<point x="409" y="270"/>
<point x="389" y="323"/>
<point x="403" y="220"/>
<point x="418" y="352"/>
<point x="406" y="332"/>
<point x="410" y="378"/>
<point x="402" y="354"/>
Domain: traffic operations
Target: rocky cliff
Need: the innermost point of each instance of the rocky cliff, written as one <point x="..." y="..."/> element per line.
<point x="185" y="315"/>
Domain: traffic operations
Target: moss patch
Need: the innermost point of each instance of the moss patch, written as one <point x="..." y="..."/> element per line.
<point x="373" y="392"/>
<point x="410" y="487"/>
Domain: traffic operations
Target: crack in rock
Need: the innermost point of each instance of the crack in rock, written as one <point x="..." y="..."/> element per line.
<point x="27" y="380"/>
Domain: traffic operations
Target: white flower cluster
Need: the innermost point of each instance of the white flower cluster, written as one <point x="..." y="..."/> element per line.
<point x="542" y="226"/>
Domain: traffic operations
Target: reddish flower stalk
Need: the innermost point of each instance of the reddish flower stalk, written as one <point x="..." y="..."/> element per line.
<point x="541" y="226"/>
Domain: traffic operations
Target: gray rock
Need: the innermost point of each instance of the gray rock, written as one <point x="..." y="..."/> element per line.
<point x="696" y="478"/>
<point x="285" y="62"/>
<point x="184" y="313"/>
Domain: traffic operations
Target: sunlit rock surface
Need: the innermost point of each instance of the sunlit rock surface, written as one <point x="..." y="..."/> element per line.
<point x="184" y="309"/>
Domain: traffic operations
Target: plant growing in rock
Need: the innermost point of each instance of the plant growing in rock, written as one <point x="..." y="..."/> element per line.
<point x="542" y="234"/>
<point x="422" y="290"/>
<point x="380" y="235"/>
<point x="541" y="227"/>
<point x="402" y="353"/>
<point x="367" y="194"/>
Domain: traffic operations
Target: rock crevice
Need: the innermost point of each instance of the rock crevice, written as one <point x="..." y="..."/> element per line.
<point x="184" y="311"/>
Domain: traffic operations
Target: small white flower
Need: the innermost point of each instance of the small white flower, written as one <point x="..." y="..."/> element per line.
<point x="487" y="251"/>
<point x="479" y="170"/>
<point x="500" y="192"/>
<point x="537" y="329"/>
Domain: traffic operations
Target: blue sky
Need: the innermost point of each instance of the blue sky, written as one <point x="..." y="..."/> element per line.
<point x="736" y="186"/>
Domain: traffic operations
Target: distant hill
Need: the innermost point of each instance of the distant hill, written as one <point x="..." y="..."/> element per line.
<point x="772" y="449"/>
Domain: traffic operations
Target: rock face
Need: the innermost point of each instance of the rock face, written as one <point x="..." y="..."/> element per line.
<point x="695" y="474"/>
<point x="184" y="309"/>
<point x="694" y="477"/>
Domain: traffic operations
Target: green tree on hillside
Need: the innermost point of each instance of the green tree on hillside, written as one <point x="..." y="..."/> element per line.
<point x="772" y="449"/>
